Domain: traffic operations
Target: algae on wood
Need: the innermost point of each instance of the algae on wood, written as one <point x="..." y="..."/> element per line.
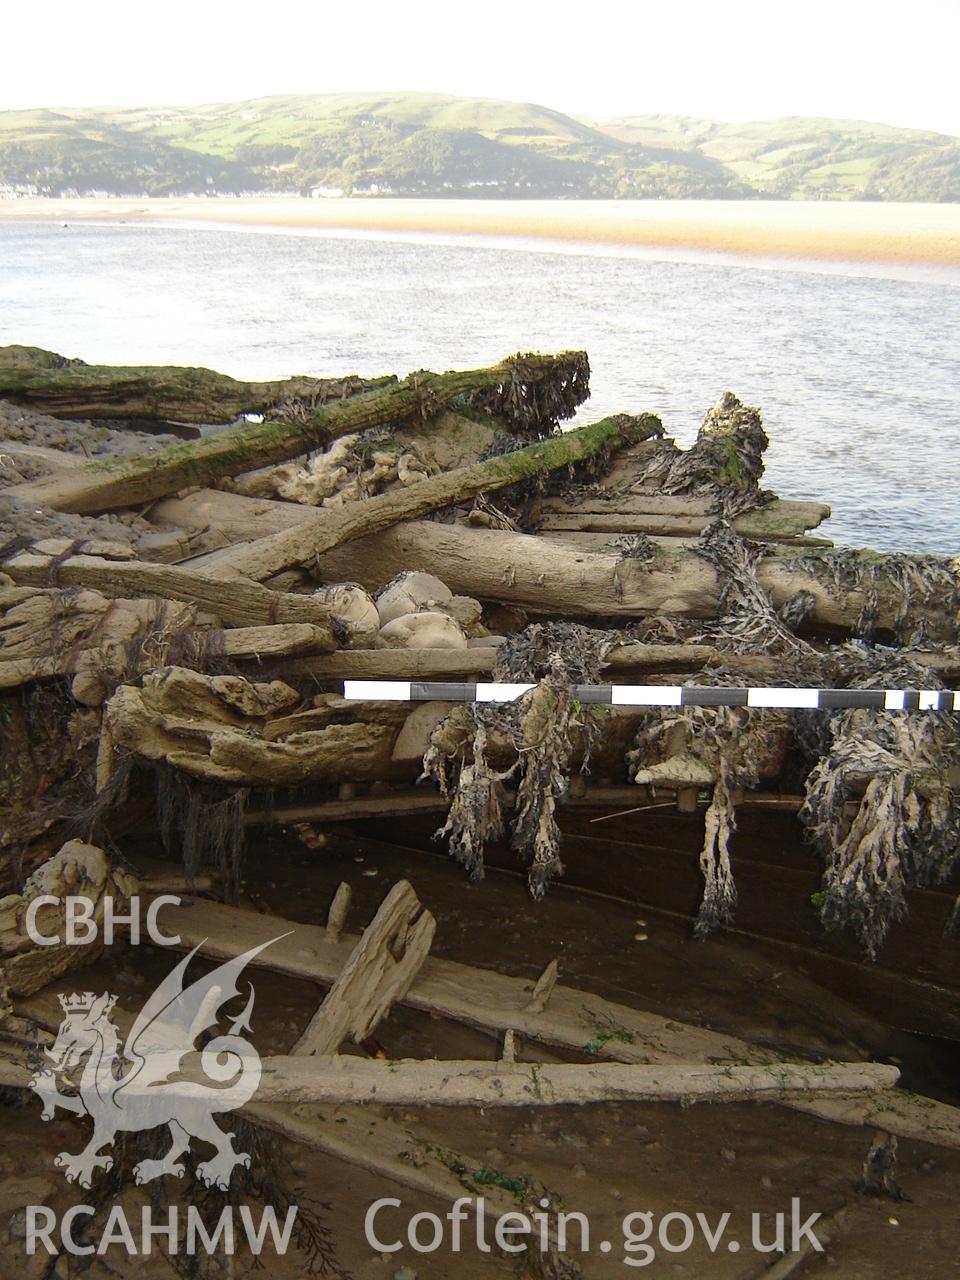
<point x="328" y="529"/>
<point x="531" y="392"/>
<point x="64" y="388"/>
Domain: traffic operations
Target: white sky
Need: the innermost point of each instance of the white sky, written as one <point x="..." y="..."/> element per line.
<point x="731" y="59"/>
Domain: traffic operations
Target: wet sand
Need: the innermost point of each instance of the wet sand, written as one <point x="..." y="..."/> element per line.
<point x="604" y="1161"/>
<point x="906" y="234"/>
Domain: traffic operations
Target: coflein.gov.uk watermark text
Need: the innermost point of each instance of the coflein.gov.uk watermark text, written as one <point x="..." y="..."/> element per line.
<point x="643" y="1235"/>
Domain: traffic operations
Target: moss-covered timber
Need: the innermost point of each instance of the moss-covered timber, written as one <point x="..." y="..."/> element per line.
<point x="63" y="388"/>
<point x="328" y="529"/>
<point x="530" y="391"/>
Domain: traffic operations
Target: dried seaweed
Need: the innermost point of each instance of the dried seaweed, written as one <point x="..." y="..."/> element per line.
<point x="476" y="792"/>
<point x="539" y="731"/>
<point x="725" y="747"/>
<point x="527" y="654"/>
<point x="920" y="583"/>
<point x="532" y="399"/>
<point x="747" y="619"/>
<point x="545" y="748"/>
<point x="906" y="830"/>
<point x="267" y="1181"/>
<point x="635" y="546"/>
<point x="893" y="766"/>
<point x="725" y="462"/>
<point x="205" y="827"/>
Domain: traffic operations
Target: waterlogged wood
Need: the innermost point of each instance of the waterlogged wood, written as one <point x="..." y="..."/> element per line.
<point x="572" y="1019"/>
<point x="380" y="971"/>
<point x="214" y="727"/>
<point x="237" y="602"/>
<point x="397" y="664"/>
<point x="46" y="632"/>
<point x="101" y="486"/>
<point x="277" y="641"/>
<point x="328" y="529"/>
<point x="256" y="643"/>
<point x="396" y="804"/>
<point x="65" y="388"/>
<point x="548" y="577"/>
<point x="653" y="502"/>
<point x="387" y="1149"/>
<point x="79" y="869"/>
<point x="677" y="516"/>
<point x="405" y="802"/>
<point x="435" y="664"/>
<point x="765" y="523"/>
<point x="343" y="1079"/>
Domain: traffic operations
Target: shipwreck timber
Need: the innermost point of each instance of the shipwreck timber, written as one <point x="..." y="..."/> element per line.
<point x="173" y="653"/>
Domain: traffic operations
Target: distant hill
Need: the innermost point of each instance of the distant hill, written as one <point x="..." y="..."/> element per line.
<point x="801" y="157"/>
<point x="415" y="144"/>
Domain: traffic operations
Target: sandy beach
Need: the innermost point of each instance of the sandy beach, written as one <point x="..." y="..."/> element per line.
<point x="827" y="231"/>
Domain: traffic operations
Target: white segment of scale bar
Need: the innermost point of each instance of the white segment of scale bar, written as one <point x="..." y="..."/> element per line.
<point x="795" y="698"/>
<point x="377" y="690"/>
<point x="646" y="695"/>
<point x="893" y="699"/>
<point x="501" y="692"/>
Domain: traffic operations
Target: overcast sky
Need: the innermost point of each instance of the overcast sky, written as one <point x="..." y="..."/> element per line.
<point x="730" y="59"/>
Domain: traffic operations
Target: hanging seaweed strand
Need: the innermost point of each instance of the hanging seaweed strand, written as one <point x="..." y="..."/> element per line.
<point x="206" y="832"/>
<point x="533" y="739"/>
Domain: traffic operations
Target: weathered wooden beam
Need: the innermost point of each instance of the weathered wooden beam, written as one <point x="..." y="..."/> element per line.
<point x="341" y="1079"/>
<point x="233" y="516"/>
<point x="234" y="601"/>
<point x="379" y="972"/>
<point x="125" y="482"/>
<point x="431" y="664"/>
<point x="66" y="388"/>
<point x="405" y="802"/>
<point x="345" y="1133"/>
<point x="550" y="578"/>
<point x="332" y="528"/>
<point x="257" y="643"/>
<point x="572" y="1018"/>
<point x="778" y="520"/>
<point x="337" y="915"/>
<point x="651" y="502"/>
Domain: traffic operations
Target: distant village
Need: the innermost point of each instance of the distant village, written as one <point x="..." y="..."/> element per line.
<point x="31" y="190"/>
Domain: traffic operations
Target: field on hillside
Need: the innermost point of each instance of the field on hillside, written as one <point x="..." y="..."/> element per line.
<point x="436" y="145"/>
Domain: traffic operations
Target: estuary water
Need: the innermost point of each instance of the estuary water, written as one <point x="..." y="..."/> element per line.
<point x="856" y="368"/>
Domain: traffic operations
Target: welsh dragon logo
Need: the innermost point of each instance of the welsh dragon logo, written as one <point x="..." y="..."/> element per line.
<point x="136" y="1088"/>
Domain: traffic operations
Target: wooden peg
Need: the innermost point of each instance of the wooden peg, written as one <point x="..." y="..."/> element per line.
<point x="508" y="1053"/>
<point x="337" y="914"/>
<point x="543" y="988"/>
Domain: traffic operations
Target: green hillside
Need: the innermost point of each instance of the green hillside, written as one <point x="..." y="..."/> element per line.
<point x="810" y="158"/>
<point x="437" y="145"/>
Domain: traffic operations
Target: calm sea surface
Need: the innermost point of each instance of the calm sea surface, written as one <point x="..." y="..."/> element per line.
<point x="857" y="371"/>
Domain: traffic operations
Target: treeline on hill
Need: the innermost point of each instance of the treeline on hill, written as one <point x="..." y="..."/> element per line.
<point x="430" y="145"/>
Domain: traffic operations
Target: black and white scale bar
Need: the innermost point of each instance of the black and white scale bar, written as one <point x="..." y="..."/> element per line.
<point x="660" y="695"/>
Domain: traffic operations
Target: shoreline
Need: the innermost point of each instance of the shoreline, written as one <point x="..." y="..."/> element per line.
<point x="834" y="231"/>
